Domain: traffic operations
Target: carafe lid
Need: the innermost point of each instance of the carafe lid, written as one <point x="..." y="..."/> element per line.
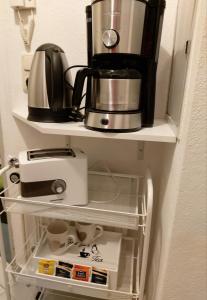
<point x="117" y="74"/>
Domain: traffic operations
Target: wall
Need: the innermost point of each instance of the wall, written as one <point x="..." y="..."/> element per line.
<point x="179" y="239"/>
<point x="186" y="9"/>
<point x="63" y="22"/>
<point x="16" y="136"/>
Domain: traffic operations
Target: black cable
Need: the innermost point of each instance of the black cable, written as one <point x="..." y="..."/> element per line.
<point x="68" y="69"/>
<point x="83" y="96"/>
<point x="38" y="295"/>
<point x="81" y="108"/>
<point x="75" y="115"/>
<point x="69" y="85"/>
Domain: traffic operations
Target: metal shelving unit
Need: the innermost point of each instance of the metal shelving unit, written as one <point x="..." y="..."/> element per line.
<point x="131" y="209"/>
<point x="23" y="269"/>
<point x="122" y="211"/>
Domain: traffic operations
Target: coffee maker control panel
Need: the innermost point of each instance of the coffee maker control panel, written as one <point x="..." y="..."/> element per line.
<point x="110" y="38"/>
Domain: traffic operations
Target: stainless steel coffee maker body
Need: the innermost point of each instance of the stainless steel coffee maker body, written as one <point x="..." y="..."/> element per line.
<point x="123" y="46"/>
<point x="115" y="93"/>
<point x="116" y="90"/>
<point x="118" y="26"/>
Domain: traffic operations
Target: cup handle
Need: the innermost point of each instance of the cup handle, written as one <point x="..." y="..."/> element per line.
<point x="63" y="250"/>
<point x="100" y="228"/>
<point x="71" y="244"/>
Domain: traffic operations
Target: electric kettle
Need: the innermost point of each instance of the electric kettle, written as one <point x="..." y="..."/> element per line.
<point x="49" y="90"/>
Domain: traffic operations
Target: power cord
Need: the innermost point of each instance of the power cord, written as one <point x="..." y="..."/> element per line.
<point x="67" y="70"/>
<point x="12" y="163"/>
<point x="75" y="115"/>
<point x="114" y="179"/>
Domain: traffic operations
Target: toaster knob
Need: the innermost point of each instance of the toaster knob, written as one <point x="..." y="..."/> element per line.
<point x="58" y="186"/>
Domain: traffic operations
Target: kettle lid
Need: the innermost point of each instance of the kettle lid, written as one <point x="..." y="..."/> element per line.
<point x="49" y="46"/>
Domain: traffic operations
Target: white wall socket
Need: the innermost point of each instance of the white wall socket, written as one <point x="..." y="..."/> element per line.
<point x="30" y="3"/>
<point x="17" y="3"/>
<point x="23" y="4"/>
<point x="26" y="67"/>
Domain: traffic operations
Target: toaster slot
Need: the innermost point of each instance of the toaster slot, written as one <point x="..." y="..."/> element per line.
<point x="48" y="153"/>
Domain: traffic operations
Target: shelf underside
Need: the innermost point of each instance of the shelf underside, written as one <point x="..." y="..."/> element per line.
<point x="161" y="132"/>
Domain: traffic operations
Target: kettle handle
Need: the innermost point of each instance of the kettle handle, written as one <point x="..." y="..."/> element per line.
<point x="79" y="84"/>
<point x="57" y="79"/>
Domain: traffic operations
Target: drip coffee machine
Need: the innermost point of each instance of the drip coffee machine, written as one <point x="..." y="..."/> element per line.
<point x="123" y="47"/>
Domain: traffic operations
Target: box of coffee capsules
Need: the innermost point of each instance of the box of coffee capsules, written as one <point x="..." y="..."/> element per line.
<point x="63" y="269"/>
<point x="99" y="276"/>
<point x="46" y="266"/>
<point x="82" y="273"/>
<point x="70" y="271"/>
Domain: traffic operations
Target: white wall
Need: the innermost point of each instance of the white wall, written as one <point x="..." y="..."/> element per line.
<point x="179" y="239"/>
<point x="165" y="59"/>
<point x="63" y="22"/>
<point x="16" y="136"/>
<point x="186" y="10"/>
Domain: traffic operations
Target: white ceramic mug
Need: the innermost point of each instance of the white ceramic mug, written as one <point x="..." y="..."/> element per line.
<point x="88" y="233"/>
<point x="59" y="237"/>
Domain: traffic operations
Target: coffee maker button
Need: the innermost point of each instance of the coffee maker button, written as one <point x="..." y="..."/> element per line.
<point x="110" y="38"/>
<point x="105" y="122"/>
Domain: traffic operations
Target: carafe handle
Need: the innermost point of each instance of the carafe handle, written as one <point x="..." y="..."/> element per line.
<point x="79" y="84"/>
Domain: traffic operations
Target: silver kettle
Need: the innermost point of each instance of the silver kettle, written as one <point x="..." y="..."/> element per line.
<point x="49" y="91"/>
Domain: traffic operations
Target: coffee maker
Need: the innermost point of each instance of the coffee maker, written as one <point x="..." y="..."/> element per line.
<point x="123" y="46"/>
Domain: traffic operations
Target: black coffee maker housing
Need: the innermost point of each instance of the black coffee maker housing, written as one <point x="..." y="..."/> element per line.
<point x="123" y="47"/>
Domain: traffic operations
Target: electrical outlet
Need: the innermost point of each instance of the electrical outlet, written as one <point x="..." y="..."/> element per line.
<point x="17" y="3"/>
<point x="26" y="67"/>
<point x="30" y="3"/>
<point x="23" y="4"/>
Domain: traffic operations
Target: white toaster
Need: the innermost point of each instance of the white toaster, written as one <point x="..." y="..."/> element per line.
<point x="54" y="175"/>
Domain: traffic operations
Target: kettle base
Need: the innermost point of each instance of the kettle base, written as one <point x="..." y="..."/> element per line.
<point x="46" y="115"/>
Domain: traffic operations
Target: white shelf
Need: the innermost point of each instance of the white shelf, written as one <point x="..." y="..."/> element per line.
<point x="109" y="245"/>
<point x="161" y="132"/>
<point x="122" y="211"/>
<point x="26" y="272"/>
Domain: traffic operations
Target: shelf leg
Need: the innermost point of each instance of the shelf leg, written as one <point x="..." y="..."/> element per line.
<point x="4" y="264"/>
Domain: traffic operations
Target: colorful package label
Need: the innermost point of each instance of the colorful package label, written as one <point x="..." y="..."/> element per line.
<point x="46" y="266"/>
<point x="81" y="273"/>
<point x="99" y="276"/>
<point x="63" y="269"/>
